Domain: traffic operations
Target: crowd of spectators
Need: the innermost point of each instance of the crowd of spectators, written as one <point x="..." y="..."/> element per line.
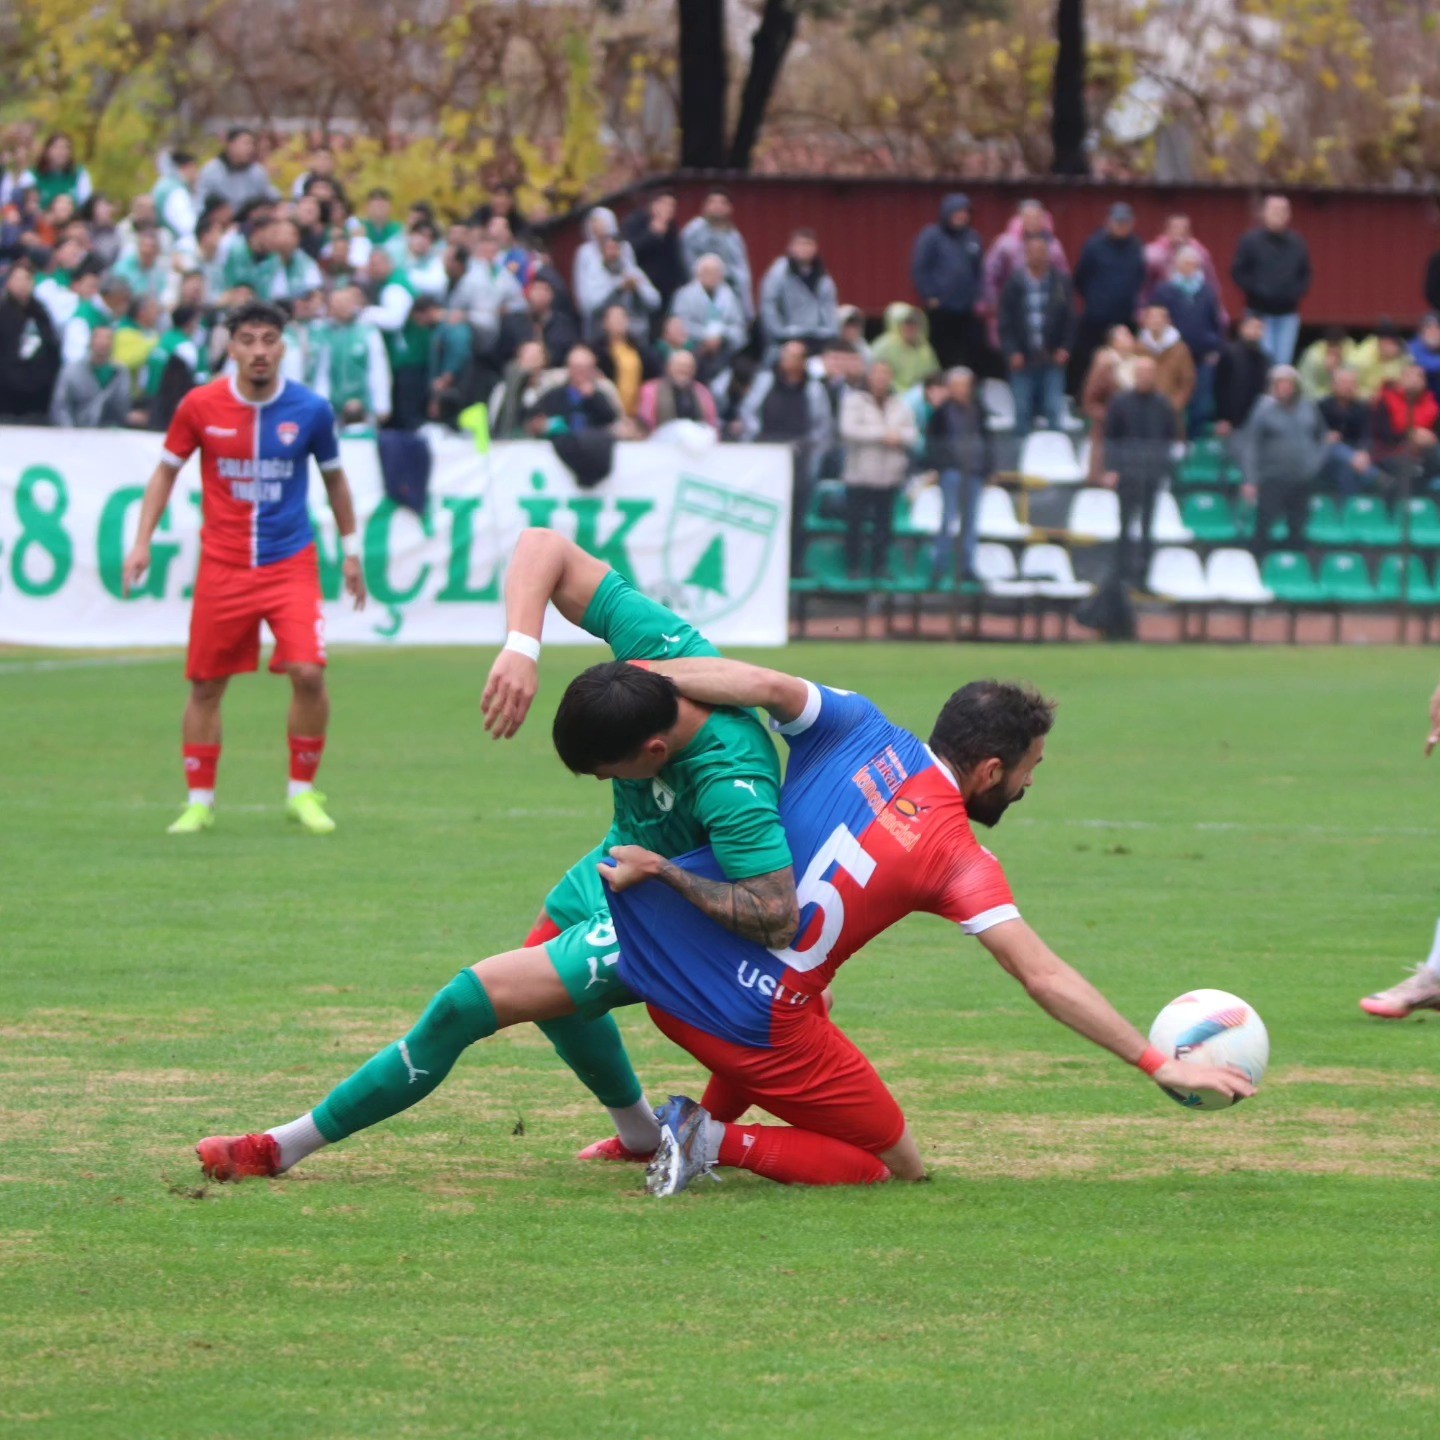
<point x="110" y="312"/>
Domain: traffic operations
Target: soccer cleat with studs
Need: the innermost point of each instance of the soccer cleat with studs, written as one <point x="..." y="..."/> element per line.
<point x="239" y="1157"/>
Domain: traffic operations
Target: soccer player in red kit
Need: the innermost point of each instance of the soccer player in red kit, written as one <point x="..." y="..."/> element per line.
<point x="255" y="434"/>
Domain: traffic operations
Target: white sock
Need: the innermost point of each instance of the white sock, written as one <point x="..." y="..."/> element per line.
<point x="298" y="787"/>
<point x="714" y="1134"/>
<point x="636" y="1126"/>
<point x="1432" y="965"/>
<point x="298" y="1139"/>
<point x="203" y="797"/>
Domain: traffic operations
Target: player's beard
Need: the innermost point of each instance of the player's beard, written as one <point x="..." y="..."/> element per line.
<point x="987" y="807"/>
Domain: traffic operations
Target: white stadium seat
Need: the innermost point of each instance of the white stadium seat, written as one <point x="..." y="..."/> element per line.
<point x="1049" y="455"/>
<point x="927" y="511"/>
<point x="999" y="402"/>
<point x="995" y="568"/>
<point x="1176" y="574"/>
<point x="1234" y="576"/>
<point x="1166" y="526"/>
<point x="1049" y="567"/>
<point x="1094" y="515"/>
<point x="997" y="516"/>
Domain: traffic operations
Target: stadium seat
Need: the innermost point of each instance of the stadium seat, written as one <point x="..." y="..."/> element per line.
<point x="909" y="570"/>
<point x="995" y="567"/>
<point x="1368" y="522"/>
<point x="1166" y="526"/>
<point x="999" y="402"/>
<point x="1206" y="463"/>
<point x="1234" y="577"/>
<point x="1050" y="570"/>
<point x="926" y="513"/>
<point x="1094" y="515"/>
<point x="1289" y="577"/>
<point x="825" y="568"/>
<point x="1422" y="589"/>
<point x="1176" y="574"/>
<point x="1210" y="517"/>
<point x="823" y="514"/>
<point x="1070" y="422"/>
<point x="1049" y="455"/>
<point x="1344" y="580"/>
<point x="1424" y="522"/>
<point x="1326" y="525"/>
<point x="1082" y="455"/>
<point x="997" y="518"/>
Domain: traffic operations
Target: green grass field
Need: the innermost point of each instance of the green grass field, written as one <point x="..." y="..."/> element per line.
<point x="1089" y="1260"/>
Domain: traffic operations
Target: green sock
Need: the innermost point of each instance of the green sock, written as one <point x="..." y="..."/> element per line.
<point x="594" y="1050"/>
<point x="407" y="1071"/>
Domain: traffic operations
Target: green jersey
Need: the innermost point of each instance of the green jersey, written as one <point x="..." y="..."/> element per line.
<point x="723" y="789"/>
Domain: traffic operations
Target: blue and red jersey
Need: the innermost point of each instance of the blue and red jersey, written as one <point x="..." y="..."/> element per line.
<point x="878" y="829"/>
<point x="253" y="467"/>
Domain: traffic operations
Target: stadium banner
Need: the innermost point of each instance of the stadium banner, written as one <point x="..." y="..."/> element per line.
<point x="705" y="532"/>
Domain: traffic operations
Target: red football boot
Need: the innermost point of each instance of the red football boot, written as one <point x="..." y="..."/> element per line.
<point x="234" y="1157"/>
<point x="612" y="1149"/>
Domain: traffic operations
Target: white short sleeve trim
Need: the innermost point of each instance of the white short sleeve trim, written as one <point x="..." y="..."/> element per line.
<point x="988" y="919"/>
<point x="326" y="466"/>
<point x="806" y="718"/>
<point x="174" y="461"/>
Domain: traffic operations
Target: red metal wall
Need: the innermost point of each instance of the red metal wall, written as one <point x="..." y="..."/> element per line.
<point x="1369" y="247"/>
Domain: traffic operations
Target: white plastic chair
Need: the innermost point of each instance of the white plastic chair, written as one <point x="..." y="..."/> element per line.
<point x="1069" y="421"/>
<point x="927" y="510"/>
<point x="999" y="402"/>
<point x="1082" y="455"/>
<point x="1095" y="515"/>
<point x="1049" y="568"/>
<point x="1176" y="574"/>
<point x="1166" y="526"/>
<point x="995" y="569"/>
<point x="1049" y="455"/>
<point x="1233" y="575"/>
<point x="997" y="517"/>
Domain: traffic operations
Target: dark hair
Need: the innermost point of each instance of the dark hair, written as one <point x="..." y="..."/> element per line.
<point x="183" y="315"/>
<point x="236" y="131"/>
<point x="990" y="718"/>
<point x="90" y="265"/>
<point x="255" y="312"/>
<point x="609" y="711"/>
<point x="460" y="254"/>
<point x="181" y="157"/>
<point x="426" y="227"/>
<point x="377" y="192"/>
<point x="839" y="347"/>
<point x="934" y="378"/>
<point x="42" y="163"/>
<point x="804" y="232"/>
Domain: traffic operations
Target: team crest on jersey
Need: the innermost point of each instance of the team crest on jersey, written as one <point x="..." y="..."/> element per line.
<point x="664" y="796"/>
<point x="288" y="431"/>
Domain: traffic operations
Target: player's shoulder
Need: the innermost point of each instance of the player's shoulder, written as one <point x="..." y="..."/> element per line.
<point x="211" y="395"/>
<point x="303" y="399"/>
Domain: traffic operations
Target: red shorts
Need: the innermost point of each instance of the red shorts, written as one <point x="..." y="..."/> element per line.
<point x="230" y="603"/>
<point x="814" y="1077"/>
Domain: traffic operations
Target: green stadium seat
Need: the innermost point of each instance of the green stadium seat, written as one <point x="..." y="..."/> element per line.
<point x="1387" y="580"/>
<point x="1424" y="522"/>
<point x="1422" y="590"/>
<point x="825" y="569"/>
<point x="1290" y="579"/>
<point x="1368" y="522"/>
<point x="1344" y="580"/>
<point x="909" y="569"/>
<point x="1210" y="517"/>
<point x="1326" y="525"/>
<point x="823" y="516"/>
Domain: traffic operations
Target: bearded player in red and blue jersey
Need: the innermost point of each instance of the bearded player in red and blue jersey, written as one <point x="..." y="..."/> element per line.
<point x="879" y="824"/>
<point x="255" y="434"/>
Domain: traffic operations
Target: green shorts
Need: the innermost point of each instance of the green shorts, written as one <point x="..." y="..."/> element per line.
<point x="586" y="957"/>
<point x="581" y="891"/>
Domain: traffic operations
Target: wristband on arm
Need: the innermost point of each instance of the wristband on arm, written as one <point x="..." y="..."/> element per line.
<point x="522" y="644"/>
<point x="350" y="545"/>
<point x="1152" y="1060"/>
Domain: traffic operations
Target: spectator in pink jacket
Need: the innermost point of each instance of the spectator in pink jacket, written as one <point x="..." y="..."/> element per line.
<point x="1007" y="255"/>
<point x="676" y="395"/>
<point x="1160" y="255"/>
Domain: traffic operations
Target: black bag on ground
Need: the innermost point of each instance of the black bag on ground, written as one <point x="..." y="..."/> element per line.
<point x="1109" y="611"/>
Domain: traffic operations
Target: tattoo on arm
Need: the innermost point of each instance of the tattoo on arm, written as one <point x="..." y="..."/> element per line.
<point x="763" y="908"/>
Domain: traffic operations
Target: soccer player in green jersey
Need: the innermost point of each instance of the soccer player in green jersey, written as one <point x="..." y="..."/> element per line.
<point x="705" y="776"/>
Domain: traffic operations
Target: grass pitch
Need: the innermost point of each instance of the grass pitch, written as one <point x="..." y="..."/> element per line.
<point x="1089" y="1259"/>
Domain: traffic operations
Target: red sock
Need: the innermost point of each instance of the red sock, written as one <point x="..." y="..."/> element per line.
<point x="545" y="929"/>
<point x="305" y="753"/>
<point x="799" y="1157"/>
<point x="725" y="1100"/>
<point x="201" y="763"/>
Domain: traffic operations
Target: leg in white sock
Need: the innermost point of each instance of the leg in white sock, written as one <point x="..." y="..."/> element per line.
<point x="636" y="1126"/>
<point x="1432" y="965"/>
<point x="297" y="1140"/>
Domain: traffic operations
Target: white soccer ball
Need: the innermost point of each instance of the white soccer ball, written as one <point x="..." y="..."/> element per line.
<point x="1214" y="1028"/>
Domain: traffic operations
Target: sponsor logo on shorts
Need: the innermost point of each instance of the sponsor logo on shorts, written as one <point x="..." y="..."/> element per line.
<point x="288" y="431"/>
<point x="746" y="785"/>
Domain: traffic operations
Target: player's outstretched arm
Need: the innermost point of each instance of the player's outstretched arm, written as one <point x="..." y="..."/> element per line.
<point x="152" y="507"/>
<point x="342" y="506"/>
<point x="1062" y="992"/>
<point x="545" y="568"/>
<point x="763" y="908"/>
<point x="732" y="682"/>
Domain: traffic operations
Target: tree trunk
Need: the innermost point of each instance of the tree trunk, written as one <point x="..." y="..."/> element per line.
<point x="767" y="58"/>
<point x="1067" y="118"/>
<point x="702" y="84"/>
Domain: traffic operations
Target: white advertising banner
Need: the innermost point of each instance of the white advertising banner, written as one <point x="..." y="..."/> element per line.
<point x="706" y="533"/>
